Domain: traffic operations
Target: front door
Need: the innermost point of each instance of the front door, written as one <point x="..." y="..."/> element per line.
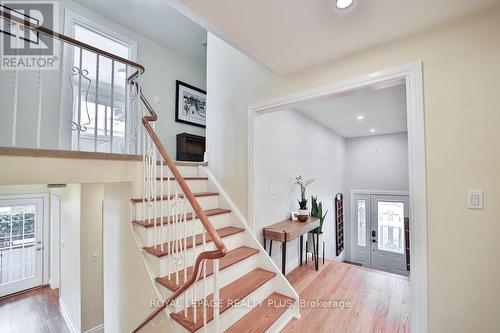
<point x="387" y="236"/>
<point x="21" y="247"/>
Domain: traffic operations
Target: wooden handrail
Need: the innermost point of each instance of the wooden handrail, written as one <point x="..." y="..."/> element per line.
<point x="71" y="41"/>
<point x="199" y="212"/>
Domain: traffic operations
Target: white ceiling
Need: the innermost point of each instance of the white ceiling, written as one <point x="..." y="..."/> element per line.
<point x="291" y="35"/>
<point x="383" y="109"/>
<point x="157" y="21"/>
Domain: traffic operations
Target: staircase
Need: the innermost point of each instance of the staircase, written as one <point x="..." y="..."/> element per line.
<point x="253" y="296"/>
<point x="206" y="266"/>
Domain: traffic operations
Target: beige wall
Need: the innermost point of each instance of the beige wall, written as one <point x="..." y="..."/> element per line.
<point x="462" y="96"/>
<point x="92" y="197"/>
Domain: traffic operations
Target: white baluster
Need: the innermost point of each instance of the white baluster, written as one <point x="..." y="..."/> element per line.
<point x="16" y="91"/>
<point x="61" y="94"/>
<point x="78" y="132"/>
<point x="126" y="136"/>
<point x="39" y="111"/>
<point x="170" y="226"/>
<point x="96" y="111"/>
<point x="163" y="228"/>
<point x="205" y="303"/>
<point x="215" y="263"/>
<point x="112" y="105"/>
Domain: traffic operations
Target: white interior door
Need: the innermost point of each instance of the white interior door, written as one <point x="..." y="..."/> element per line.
<point x="21" y="247"/>
<point x="387" y="236"/>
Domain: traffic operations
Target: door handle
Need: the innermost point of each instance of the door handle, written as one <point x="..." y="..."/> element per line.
<point x="374" y="241"/>
<point x="39" y="249"/>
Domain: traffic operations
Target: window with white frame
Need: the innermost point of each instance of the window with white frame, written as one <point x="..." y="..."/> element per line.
<point x="99" y="88"/>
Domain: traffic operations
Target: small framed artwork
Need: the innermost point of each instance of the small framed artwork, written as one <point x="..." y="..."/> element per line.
<point x="293" y="215"/>
<point x="190" y="105"/>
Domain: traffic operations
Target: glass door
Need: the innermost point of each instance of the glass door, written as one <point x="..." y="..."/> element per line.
<point x="387" y="234"/>
<point x="20" y="244"/>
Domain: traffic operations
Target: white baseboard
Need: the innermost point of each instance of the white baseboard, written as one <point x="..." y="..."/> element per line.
<point x="97" y="329"/>
<point x="67" y="317"/>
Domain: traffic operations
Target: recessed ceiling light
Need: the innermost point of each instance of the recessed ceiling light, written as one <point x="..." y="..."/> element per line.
<point x="372" y="130"/>
<point x="343" y="4"/>
<point x="360" y="117"/>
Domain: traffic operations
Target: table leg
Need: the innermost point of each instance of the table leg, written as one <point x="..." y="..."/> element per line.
<point x="301" y="249"/>
<point x="283" y="257"/>
<point x="270" y="247"/>
<point x="265" y="244"/>
<point x="314" y="250"/>
<point x="317" y="251"/>
<point x="307" y="246"/>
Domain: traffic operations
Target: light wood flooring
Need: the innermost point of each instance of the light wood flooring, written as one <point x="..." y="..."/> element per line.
<point x="36" y="311"/>
<point x="380" y="302"/>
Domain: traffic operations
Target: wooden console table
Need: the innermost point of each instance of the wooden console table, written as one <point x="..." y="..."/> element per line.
<point x="288" y="230"/>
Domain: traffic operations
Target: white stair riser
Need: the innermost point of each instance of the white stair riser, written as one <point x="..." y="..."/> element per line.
<point x="206" y="202"/>
<point x="147" y="235"/>
<point x="160" y="265"/>
<point x="185" y="170"/>
<point x="226" y="276"/>
<point x="196" y="185"/>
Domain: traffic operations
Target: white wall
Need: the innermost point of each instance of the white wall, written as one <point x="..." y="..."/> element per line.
<point x="235" y="81"/>
<point x="128" y="290"/>
<point x="91" y="241"/>
<point x="70" y="284"/>
<point x="287" y="144"/>
<point x="379" y="163"/>
<point x="163" y="67"/>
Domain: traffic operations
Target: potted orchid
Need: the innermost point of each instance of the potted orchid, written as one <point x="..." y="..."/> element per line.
<point x="303" y="213"/>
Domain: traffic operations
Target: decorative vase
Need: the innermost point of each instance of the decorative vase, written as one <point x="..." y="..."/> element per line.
<point x="303" y="215"/>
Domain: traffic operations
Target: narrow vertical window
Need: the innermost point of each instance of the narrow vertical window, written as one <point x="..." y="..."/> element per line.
<point x="361" y="207"/>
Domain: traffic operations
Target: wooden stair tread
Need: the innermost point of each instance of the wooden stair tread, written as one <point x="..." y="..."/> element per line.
<point x="185" y="178"/>
<point x="165" y="197"/>
<point x="198" y="240"/>
<point x="260" y="318"/>
<point x="231" y="258"/>
<point x="189" y="216"/>
<point x="228" y="296"/>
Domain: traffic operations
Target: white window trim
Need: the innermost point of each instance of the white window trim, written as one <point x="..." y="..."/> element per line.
<point x="70" y="18"/>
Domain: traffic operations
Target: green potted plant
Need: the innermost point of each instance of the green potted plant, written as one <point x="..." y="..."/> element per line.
<point x="303" y="213"/>
<point x="316" y="211"/>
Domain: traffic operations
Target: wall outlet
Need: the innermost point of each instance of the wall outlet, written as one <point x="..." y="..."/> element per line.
<point x="273" y="188"/>
<point x="94" y="257"/>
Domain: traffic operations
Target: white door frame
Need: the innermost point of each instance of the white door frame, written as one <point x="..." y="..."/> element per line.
<point x="412" y="75"/>
<point x="45" y="229"/>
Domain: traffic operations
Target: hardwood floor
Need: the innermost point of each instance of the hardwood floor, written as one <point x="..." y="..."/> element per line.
<point x="380" y="302"/>
<point x="34" y="312"/>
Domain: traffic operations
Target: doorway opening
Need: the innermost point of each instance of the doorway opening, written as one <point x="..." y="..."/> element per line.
<point x="393" y="209"/>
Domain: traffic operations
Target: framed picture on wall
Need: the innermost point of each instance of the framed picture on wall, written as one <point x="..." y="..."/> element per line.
<point x="190" y="104"/>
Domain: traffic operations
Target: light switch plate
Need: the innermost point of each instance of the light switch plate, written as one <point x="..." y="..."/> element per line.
<point x="273" y="189"/>
<point x="475" y="199"/>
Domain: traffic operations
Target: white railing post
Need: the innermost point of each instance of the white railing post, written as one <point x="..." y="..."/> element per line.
<point x="216" y="299"/>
